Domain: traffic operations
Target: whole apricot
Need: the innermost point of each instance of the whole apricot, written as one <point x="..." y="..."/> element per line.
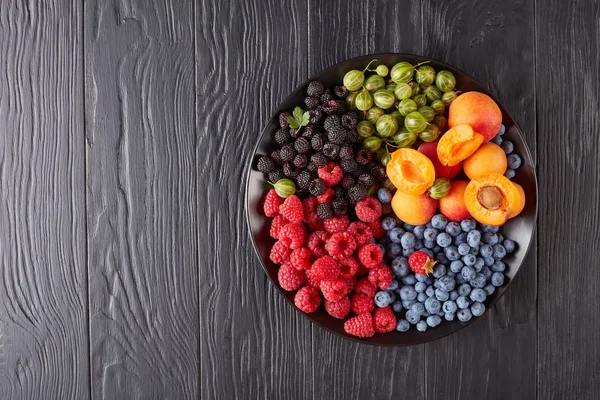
<point x="452" y="206"/>
<point x="413" y="209"/>
<point x="487" y="159"/>
<point x="477" y="110"/>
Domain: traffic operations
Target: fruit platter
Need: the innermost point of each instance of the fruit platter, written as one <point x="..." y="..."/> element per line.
<point x="391" y="199"/>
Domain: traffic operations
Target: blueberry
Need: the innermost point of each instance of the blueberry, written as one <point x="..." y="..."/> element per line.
<point x="464" y="315"/>
<point x="392" y="295"/>
<point x="393" y="285"/>
<point x="509" y="246"/>
<point x="430" y="244"/>
<point x="397" y="306"/>
<point x="487" y="272"/>
<point x="462" y="302"/>
<point x="430" y="291"/>
<point x="456" y="266"/>
<point x="419" y="231"/>
<point x="478" y="295"/>
<point x="407" y="252"/>
<point x="502" y="130"/>
<point x="453" y="229"/>
<point x="489" y="289"/>
<point x="412" y="317"/>
<point x="409" y="227"/>
<point x="433" y="321"/>
<point x="422" y="297"/>
<point x="422" y="326"/>
<point x="417" y="308"/>
<point x="454" y="295"/>
<point x="408" y="240"/>
<point x="407" y="304"/>
<point x="408" y="293"/>
<point x="467" y="273"/>
<point x="479" y="264"/>
<point x="468" y="224"/>
<point x="430" y="234"/>
<point x="488" y="261"/>
<point x="486" y="250"/>
<point x="490" y="238"/>
<point x="441" y="295"/>
<point x="498" y="140"/>
<point x="409" y="280"/>
<point x="508" y="146"/>
<point x="388" y="222"/>
<point x="449" y="317"/>
<point x="444" y="240"/>
<point x="433" y="305"/>
<point x="464" y="249"/>
<point x="441" y="257"/>
<point x="475" y="250"/>
<point x="499" y="252"/>
<point x="419" y="245"/>
<point x="473" y="238"/>
<point x="402" y="325"/>
<point x="439" y="221"/>
<point x="446" y="283"/>
<point x="497" y="279"/>
<point x="451" y="274"/>
<point x="469" y="259"/>
<point x="437" y="249"/>
<point x="498" y="266"/>
<point x="382" y="299"/>
<point x="400" y="267"/>
<point x="394" y="250"/>
<point x="477" y="309"/>
<point x="449" y="307"/>
<point x="439" y="270"/>
<point x="460" y="239"/>
<point x="500" y="238"/>
<point x="464" y="289"/>
<point x="479" y="281"/>
<point x="395" y="234"/>
<point x="489" y="228"/>
<point x="384" y="195"/>
<point x="452" y="254"/>
<point x="421" y="277"/>
<point x="460" y="279"/>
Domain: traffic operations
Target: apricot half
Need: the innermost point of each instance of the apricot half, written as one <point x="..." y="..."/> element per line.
<point x="458" y="144"/>
<point x="410" y="171"/>
<point x="452" y="206"/>
<point x="413" y="209"/>
<point x="477" y="110"/>
<point x="521" y="205"/>
<point x="430" y="150"/>
<point x="488" y="158"/>
<point x="492" y="199"/>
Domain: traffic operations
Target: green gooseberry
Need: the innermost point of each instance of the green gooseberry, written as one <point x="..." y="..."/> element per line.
<point x="404" y="138"/>
<point x="427" y="112"/>
<point x="374" y="83"/>
<point x="396" y="114"/>
<point x="438" y="106"/>
<point x="285" y="188"/>
<point x="382" y="70"/>
<point x="420" y="99"/>
<point x="372" y="143"/>
<point x="445" y="81"/>
<point x="384" y="98"/>
<point x="385" y="157"/>
<point x="415" y="122"/>
<point x="365" y="129"/>
<point x="407" y="106"/>
<point x="416" y="89"/>
<point x="391" y="86"/>
<point x="441" y="122"/>
<point x="430" y="134"/>
<point x="402" y="72"/>
<point x="432" y="93"/>
<point x="439" y="189"/>
<point x="351" y="101"/>
<point x="448" y="97"/>
<point x="354" y="79"/>
<point x="364" y="100"/>
<point x="403" y="91"/>
<point x="425" y="75"/>
<point x="386" y="125"/>
<point x="373" y="114"/>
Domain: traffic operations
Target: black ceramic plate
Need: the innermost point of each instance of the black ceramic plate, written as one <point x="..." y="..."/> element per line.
<point x="519" y="229"/>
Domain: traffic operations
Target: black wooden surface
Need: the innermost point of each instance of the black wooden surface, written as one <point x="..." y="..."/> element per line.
<point x="127" y="271"/>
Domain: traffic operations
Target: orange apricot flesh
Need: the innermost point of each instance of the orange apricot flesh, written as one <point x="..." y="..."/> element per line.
<point x="410" y="171"/>
<point x="458" y="144"/>
<point x="492" y="199"/>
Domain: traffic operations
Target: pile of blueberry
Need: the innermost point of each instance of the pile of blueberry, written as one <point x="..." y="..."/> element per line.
<point x="514" y="160"/>
<point x="469" y="268"/>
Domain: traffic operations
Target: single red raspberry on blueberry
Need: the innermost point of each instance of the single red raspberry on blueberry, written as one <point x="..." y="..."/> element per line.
<point x="327" y="196"/>
<point x="307" y="299"/>
<point x="280" y="253"/>
<point x="376" y="229"/>
<point x="301" y="258"/>
<point x="348" y="266"/>
<point x="370" y="255"/>
<point x="361" y="303"/>
<point x="368" y="210"/>
<point x="361" y="231"/>
<point x="272" y="203"/>
<point x="293" y="235"/>
<point x="291" y="209"/>
<point x="361" y="326"/>
<point x="334" y="290"/>
<point x="336" y="224"/>
<point x="316" y="243"/>
<point x="350" y="282"/>
<point x="365" y="287"/>
<point x="338" y="309"/>
<point x="290" y="278"/>
<point x="330" y="174"/>
<point x="384" y="320"/>
<point x="278" y="222"/>
<point x="340" y="245"/>
<point x="325" y="268"/>
<point x="380" y="276"/>
<point x="421" y="263"/>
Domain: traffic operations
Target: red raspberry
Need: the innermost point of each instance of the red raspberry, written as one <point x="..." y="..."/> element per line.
<point x="291" y="209"/>
<point x="370" y="255"/>
<point x="280" y="253"/>
<point x="293" y="235"/>
<point x="365" y="287"/>
<point x="309" y="208"/>
<point x="361" y="303"/>
<point x="301" y="258"/>
<point x="368" y="210"/>
<point x="340" y="245"/>
<point x="336" y="224"/>
<point x="325" y="268"/>
<point x="376" y="229"/>
<point x="290" y="278"/>
<point x="338" y="309"/>
<point x="361" y="326"/>
<point x="330" y="174"/>
<point x="316" y="224"/>
<point x="350" y="282"/>
<point x="316" y="243"/>
<point x="380" y="276"/>
<point x="272" y="203"/>
<point x="361" y="231"/>
<point x="362" y="270"/>
<point x="348" y="266"/>
<point x="334" y="290"/>
<point x="384" y="320"/>
<point x="327" y="196"/>
<point x="278" y="222"/>
<point x="310" y="280"/>
<point x="307" y="299"/>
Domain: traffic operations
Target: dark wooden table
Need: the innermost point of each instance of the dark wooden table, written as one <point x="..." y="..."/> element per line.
<point x="126" y="267"/>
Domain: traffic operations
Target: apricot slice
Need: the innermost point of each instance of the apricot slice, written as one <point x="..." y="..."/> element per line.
<point x="458" y="144"/>
<point x="413" y="209"/>
<point x="488" y="158"/>
<point x="477" y="110"/>
<point x="492" y="199"/>
<point x="452" y="206"/>
<point x="410" y="171"/>
<point x="430" y="150"/>
<point x="521" y="205"/>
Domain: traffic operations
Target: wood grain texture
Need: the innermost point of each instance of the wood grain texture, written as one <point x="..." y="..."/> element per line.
<point x="141" y="217"/>
<point x="494" y="358"/>
<point x="348" y="370"/>
<point x="568" y="99"/>
<point x="43" y="295"/>
<point x="250" y="55"/>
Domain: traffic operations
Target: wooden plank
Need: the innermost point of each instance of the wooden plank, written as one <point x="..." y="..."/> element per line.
<point x="345" y="369"/>
<point x="250" y="55"/>
<point x="43" y="294"/>
<point x="143" y="273"/>
<point x="494" y="357"/>
<point x="568" y="61"/>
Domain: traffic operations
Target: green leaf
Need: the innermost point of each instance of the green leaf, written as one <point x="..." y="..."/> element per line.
<point x="292" y="122"/>
<point x="305" y="119"/>
<point x="299" y="118"/>
<point x="298" y="113"/>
